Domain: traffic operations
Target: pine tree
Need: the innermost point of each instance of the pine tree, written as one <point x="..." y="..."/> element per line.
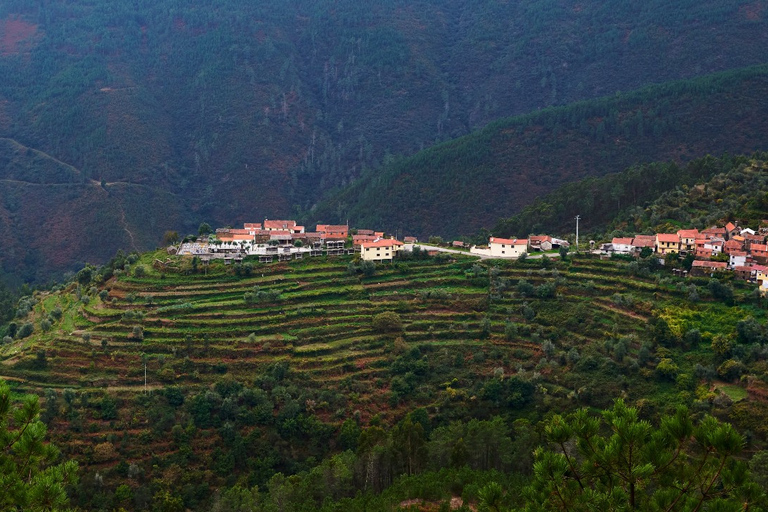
<point x="620" y="462"/>
<point x="30" y="479"/>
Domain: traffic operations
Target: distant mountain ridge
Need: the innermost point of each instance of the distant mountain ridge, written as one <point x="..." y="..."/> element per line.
<point x="239" y="110"/>
<point x="460" y="186"/>
<point x="655" y="197"/>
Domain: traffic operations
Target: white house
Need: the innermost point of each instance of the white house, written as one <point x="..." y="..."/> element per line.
<point x="380" y="250"/>
<point x="622" y="245"/>
<point x="737" y="259"/>
<point x="507" y="248"/>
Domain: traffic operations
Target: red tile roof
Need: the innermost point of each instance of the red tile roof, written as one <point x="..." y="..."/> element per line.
<point x="688" y="233"/>
<point x="508" y="241"/>
<point x="359" y="239"/>
<point x="252" y="225"/>
<point x="331" y="228"/>
<point x="709" y="264"/>
<point x="668" y="237"/>
<point x="384" y="242"/>
<point x="621" y="241"/>
<point x="279" y="224"/>
<point x="645" y="241"/>
<point x="730" y="227"/>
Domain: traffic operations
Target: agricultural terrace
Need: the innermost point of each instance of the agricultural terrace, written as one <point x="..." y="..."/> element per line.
<point x="270" y="356"/>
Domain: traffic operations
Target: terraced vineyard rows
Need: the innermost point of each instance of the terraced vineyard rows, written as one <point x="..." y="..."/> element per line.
<point x="303" y="332"/>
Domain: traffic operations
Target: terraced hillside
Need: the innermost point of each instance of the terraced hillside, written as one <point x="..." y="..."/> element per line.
<point x="256" y="369"/>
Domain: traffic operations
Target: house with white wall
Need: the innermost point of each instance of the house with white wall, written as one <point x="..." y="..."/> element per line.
<point x="507" y="247"/>
<point x="380" y="250"/>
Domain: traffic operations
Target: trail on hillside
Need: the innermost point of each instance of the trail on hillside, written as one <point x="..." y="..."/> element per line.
<point x="127" y="229"/>
<point x="43" y="153"/>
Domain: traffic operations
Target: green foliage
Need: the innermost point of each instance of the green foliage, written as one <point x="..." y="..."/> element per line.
<point x="258" y="296"/>
<point x="31" y="478"/>
<point x="25" y="330"/>
<point x="563" y="134"/>
<point x="204" y="229"/>
<point x="721" y="291"/>
<point x="387" y="322"/>
<point x="625" y="463"/>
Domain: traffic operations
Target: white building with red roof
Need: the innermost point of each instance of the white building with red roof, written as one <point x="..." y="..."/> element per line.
<point x="622" y="245"/>
<point x="507" y="247"/>
<point x="282" y="225"/>
<point x="380" y="250"/>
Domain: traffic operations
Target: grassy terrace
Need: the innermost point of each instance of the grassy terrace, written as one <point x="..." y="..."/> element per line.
<point x="462" y="323"/>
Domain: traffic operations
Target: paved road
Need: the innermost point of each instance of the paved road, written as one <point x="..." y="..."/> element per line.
<point x="426" y="247"/>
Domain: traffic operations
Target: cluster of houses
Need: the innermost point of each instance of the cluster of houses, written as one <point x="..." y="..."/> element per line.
<point x="515" y="247"/>
<point x="731" y="248"/>
<point x="742" y="251"/>
<point x="284" y="240"/>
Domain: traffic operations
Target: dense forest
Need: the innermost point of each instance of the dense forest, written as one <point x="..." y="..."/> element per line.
<point x="459" y="186"/>
<point x="652" y="197"/>
<point x="235" y="111"/>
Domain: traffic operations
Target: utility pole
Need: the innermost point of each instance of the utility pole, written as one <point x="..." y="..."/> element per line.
<point x="577" y="232"/>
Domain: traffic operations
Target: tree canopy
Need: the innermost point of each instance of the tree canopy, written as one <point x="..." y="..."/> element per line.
<point x="30" y="477"/>
<point x="618" y="461"/>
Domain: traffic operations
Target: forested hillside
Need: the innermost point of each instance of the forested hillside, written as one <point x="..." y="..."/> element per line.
<point x="312" y="385"/>
<point x="459" y="186"/>
<point x="701" y="193"/>
<point x="656" y="197"/>
<point x="240" y="110"/>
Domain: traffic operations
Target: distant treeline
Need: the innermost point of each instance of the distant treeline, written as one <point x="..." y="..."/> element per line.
<point x="609" y="200"/>
<point x="459" y="186"/>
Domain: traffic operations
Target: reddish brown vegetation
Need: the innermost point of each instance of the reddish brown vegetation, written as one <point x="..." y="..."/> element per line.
<point x="16" y="36"/>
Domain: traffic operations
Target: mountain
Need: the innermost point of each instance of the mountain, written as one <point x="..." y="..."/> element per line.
<point x="241" y="110"/>
<point x="174" y="380"/>
<point x="646" y="197"/>
<point x="459" y="186"/>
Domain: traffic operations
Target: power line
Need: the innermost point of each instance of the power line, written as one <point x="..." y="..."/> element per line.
<point x="577" y="232"/>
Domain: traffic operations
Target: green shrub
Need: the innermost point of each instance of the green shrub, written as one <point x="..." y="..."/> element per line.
<point x="137" y="333"/>
<point x="25" y="330"/>
<point x="388" y="321"/>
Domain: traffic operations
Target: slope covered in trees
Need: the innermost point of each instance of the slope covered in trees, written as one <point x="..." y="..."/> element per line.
<point x="432" y="370"/>
<point x="462" y="185"/>
<point x="657" y="197"/>
<point x="632" y="193"/>
<point x="251" y="109"/>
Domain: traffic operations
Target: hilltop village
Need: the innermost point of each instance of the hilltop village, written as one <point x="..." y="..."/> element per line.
<point x="740" y="250"/>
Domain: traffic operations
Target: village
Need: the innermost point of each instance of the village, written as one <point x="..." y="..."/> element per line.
<point x="740" y="251"/>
